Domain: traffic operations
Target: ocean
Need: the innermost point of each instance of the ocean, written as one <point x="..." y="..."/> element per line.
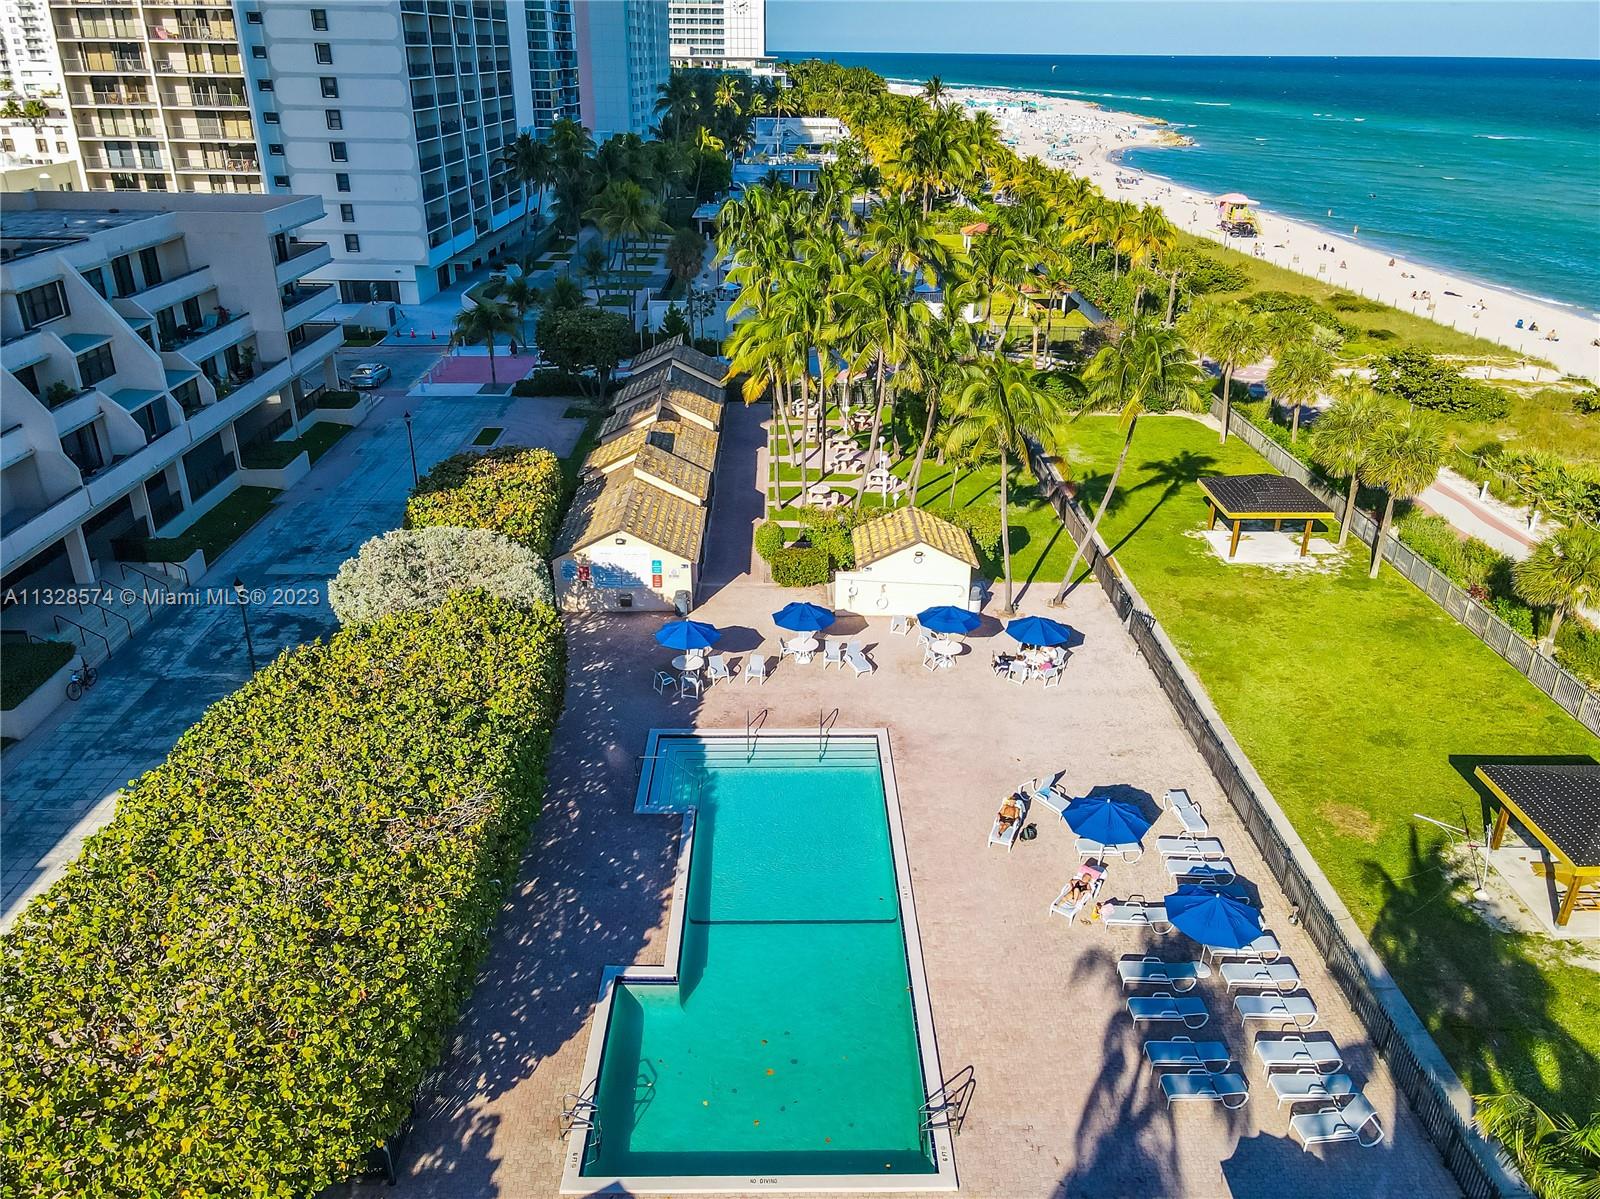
<point x="1486" y="167"/>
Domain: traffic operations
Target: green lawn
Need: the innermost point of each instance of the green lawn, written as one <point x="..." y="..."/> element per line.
<point x="1362" y="703"/>
<point x="320" y="438"/>
<point x="216" y="530"/>
<point x="28" y="664"/>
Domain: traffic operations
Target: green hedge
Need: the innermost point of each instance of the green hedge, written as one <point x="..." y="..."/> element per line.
<point x="238" y="986"/>
<point x="28" y="666"/>
<point x="769" y="539"/>
<point x="799" y="567"/>
<point x="338" y="399"/>
<point x="982" y="523"/>
<point x="550" y="383"/>
<point x="512" y="490"/>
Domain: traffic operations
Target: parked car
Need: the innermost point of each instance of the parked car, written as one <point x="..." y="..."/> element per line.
<point x="368" y="374"/>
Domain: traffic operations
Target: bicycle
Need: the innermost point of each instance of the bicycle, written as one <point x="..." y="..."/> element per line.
<point x="81" y="680"/>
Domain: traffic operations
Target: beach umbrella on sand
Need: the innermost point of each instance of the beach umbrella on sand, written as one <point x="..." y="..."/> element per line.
<point x="947" y="618"/>
<point x="1108" y="821"/>
<point x="802" y="618"/>
<point x="1039" y="630"/>
<point x="1212" y="918"/>
<point x="687" y="634"/>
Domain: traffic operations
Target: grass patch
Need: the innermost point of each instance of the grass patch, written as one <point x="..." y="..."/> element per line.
<point x="320" y="438"/>
<point x="29" y="665"/>
<point x="488" y="435"/>
<point x="270" y="455"/>
<point x="1362" y="702"/>
<point x="213" y="533"/>
<point x="356" y="336"/>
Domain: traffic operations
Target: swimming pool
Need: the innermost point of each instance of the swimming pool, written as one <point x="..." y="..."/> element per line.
<point x="787" y="1043"/>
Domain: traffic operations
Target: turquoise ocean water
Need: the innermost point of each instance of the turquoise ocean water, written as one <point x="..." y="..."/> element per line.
<point x="789" y="1045"/>
<point x="1486" y="167"/>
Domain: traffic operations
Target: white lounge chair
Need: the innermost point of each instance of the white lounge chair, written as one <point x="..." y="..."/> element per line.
<point x="1187" y="811"/>
<point x="663" y="681"/>
<point x="1201" y="870"/>
<point x="1230" y="1090"/>
<point x="857" y="662"/>
<point x="1265" y="946"/>
<point x="1048" y="793"/>
<point x="1297" y="1052"/>
<point x="1018" y="672"/>
<point x="1128" y="851"/>
<point x="1332" y="1124"/>
<point x="1135" y="914"/>
<point x="1309" y="1086"/>
<point x="1181" y="1051"/>
<point x="1280" y="975"/>
<point x="1152" y="971"/>
<point x="832" y="653"/>
<point x="755" y="670"/>
<point x="1007" y="835"/>
<point x="924" y="635"/>
<point x="899" y="626"/>
<point x="1190" y="1010"/>
<point x="1299" y="1010"/>
<point x="717" y="668"/>
<point x="1190" y="847"/>
<point x="1050" y="673"/>
<point x="1062" y="906"/>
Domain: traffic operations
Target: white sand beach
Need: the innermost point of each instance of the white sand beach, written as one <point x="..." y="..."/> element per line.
<point x="1086" y="139"/>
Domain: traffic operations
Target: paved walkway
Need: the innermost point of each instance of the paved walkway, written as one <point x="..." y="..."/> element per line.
<point x="1064" y="1105"/>
<point x="61" y="782"/>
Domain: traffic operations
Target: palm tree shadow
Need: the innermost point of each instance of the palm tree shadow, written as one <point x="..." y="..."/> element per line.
<point x="1183" y="469"/>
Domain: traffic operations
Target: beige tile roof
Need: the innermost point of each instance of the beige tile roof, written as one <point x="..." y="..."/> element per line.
<point x="692" y="403"/>
<point x="630" y="414"/>
<point x="657" y="463"/>
<point x="629" y="504"/>
<point x="674" y="351"/>
<point x="616" y="449"/>
<point x="906" y="527"/>
<point x="667" y="375"/>
<point x="659" y="352"/>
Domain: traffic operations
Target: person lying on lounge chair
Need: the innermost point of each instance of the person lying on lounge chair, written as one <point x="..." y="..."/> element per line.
<point x="1010" y="813"/>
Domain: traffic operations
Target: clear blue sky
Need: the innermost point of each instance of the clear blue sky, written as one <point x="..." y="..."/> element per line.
<point x="1463" y="28"/>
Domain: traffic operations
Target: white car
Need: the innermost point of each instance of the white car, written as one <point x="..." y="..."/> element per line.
<point x="368" y="374"/>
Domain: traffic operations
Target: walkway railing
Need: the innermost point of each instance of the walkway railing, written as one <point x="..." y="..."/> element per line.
<point x="1431" y="1087"/>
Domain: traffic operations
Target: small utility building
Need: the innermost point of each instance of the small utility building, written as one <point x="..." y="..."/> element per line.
<point x="907" y="560"/>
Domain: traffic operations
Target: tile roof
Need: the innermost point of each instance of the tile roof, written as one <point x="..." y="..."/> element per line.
<point x="687" y="440"/>
<point x="667" y="375"/>
<point x="630" y="414"/>
<point x="673" y="350"/>
<point x="628" y="504"/>
<point x="906" y="527"/>
<point x="1245" y="496"/>
<point x="616" y="449"/>
<point x="659" y="352"/>
<point x="657" y="463"/>
<point x="692" y="403"/>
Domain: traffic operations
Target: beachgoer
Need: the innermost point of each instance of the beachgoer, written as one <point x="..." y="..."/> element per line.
<point x="1010" y="813"/>
<point x="1343" y="265"/>
<point x="1391" y="262"/>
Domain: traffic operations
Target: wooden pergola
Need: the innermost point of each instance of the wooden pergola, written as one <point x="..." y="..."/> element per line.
<point x="1560" y="805"/>
<point x="1238" y="498"/>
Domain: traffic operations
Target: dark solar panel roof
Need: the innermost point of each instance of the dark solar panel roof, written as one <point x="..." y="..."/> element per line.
<point x="1564" y="801"/>
<point x="1262" y="495"/>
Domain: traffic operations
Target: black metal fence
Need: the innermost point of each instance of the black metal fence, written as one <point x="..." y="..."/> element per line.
<point x="1434" y="1092"/>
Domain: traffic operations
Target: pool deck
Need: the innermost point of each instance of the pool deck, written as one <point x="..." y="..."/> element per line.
<point x="1064" y="1105"/>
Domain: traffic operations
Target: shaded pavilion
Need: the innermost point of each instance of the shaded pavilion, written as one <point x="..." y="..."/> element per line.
<point x="1238" y="498"/>
<point x="1560" y="806"/>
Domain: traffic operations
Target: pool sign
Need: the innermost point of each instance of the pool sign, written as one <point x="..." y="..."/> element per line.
<point x="655" y="572"/>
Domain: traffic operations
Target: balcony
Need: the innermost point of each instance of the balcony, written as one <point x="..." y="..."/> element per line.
<point x="119" y="127"/>
<point x="316" y="342"/>
<point x="302" y="258"/>
<point x="14" y="446"/>
<point x="109" y="97"/>
<point x="179" y="96"/>
<point x="211" y="161"/>
<point x="116" y="477"/>
<point x="124" y="160"/>
<point x="235" y="401"/>
<point x="302" y="301"/>
<point x="190" y="129"/>
<point x="174" y="290"/>
<point x="208" y="339"/>
<point x="26" y="532"/>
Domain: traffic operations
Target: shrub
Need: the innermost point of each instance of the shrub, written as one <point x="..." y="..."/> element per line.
<point x="549" y="383"/>
<point x="338" y="399"/>
<point x="273" y="935"/>
<point x="1578" y="649"/>
<point x="769" y="539"/>
<point x="1206" y="273"/>
<point x="1473" y="565"/>
<point x="799" y="566"/>
<point x="982" y="522"/>
<point x="1420" y="379"/>
<point x="412" y="570"/>
<point x="1283" y="301"/>
<point x="512" y="490"/>
<point x="1343" y="301"/>
<point x="1586" y="401"/>
<point x="830" y="533"/>
<point x="29" y="665"/>
<point x="1515" y="613"/>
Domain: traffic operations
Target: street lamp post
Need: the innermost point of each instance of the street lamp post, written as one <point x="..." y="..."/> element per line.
<point x="243" y="594"/>
<point x="411" y="444"/>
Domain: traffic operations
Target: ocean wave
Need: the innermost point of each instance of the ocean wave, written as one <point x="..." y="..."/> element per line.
<point x="1502" y="137"/>
<point x="1213" y="104"/>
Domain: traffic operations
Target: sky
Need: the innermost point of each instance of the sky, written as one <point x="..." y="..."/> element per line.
<point x="1452" y="28"/>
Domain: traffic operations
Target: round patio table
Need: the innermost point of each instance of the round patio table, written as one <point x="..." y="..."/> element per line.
<point x="947" y="647"/>
<point x="688" y="662"/>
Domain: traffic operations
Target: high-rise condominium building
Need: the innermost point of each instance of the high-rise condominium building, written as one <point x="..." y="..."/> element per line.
<point x="30" y="76"/>
<point x="149" y="342"/>
<point x="718" y="33"/>
<point x="394" y="112"/>
<point x="623" y="60"/>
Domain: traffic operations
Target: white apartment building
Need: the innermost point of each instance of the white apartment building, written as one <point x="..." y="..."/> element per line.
<point x="718" y="33"/>
<point x="30" y="75"/>
<point x="146" y="340"/>
<point x="623" y="60"/>
<point x="542" y="33"/>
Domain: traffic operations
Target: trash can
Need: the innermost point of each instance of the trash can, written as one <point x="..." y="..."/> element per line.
<point x="680" y="603"/>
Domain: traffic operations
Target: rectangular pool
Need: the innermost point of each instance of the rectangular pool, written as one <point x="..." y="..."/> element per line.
<point x="787" y="1043"/>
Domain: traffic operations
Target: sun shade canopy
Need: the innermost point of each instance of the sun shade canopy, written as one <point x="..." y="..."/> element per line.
<point x="1559" y="805"/>
<point x="1263" y="497"/>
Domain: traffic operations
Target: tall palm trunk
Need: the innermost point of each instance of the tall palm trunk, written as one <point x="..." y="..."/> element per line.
<point x="1349" y="509"/>
<point x="780" y="402"/>
<point x="1548" y="644"/>
<point x="955" y="478"/>
<point x="1172" y="294"/>
<point x="1094" y="525"/>
<point x="877" y="424"/>
<point x="922" y="446"/>
<point x="1294" y="423"/>
<point x="493" y="382"/>
<point x="1383" y="531"/>
<point x="1005" y="528"/>
<point x="805" y="418"/>
<point x="1227" y="399"/>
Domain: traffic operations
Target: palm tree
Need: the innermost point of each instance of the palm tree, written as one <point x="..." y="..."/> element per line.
<point x="677" y="103"/>
<point x="1342" y="440"/>
<point x="1562" y="573"/>
<point x="623" y="211"/>
<point x="1000" y="409"/>
<point x="1148" y="236"/>
<point x="1403" y="459"/>
<point x="521" y="295"/>
<point x="531" y="164"/>
<point x="686" y="255"/>
<point x="705" y="143"/>
<point x="1557" y="1157"/>
<point x="592" y="266"/>
<point x="483" y="323"/>
<point x="1298" y="377"/>
<point x="1231" y="336"/>
<point x="934" y="91"/>
<point x="564" y="293"/>
<point x="1149" y="367"/>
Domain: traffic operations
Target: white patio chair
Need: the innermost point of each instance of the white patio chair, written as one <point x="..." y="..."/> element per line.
<point x="663" y="680"/>
<point x="858" y="662"/>
<point x="1190" y="1010"/>
<point x="717" y="668"/>
<point x="755" y="670"/>
<point x="1018" y="672"/>
<point x="900" y="626"/>
<point x="832" y="653"/>
<point x="1051" y="674"/>
<point x="1187" y="811"/>
<point x="931" y="660"/>
<point x="689" y="682"/>
<point x="924" y="636"/>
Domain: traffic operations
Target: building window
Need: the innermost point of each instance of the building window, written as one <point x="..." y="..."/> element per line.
<point x="271" y="118"/>
<point x="122" y="275"/>
<point x="264" y="85"/>
<point x="324" y="52"/>
<point x="258" y="51"/>
<point x="275" y="148"/>
<point x="280" y="181"/>
<point x="339" y="151"/>
<point x="150" y="264"/>
<point x="335" y="118"/>
<point x="42" y="304"/>
<point x="97" y="364"/>
<point x="341" y="182"/>
<point x="97" y="280"/>
<point x="330" y="87"/>
<point x="352" y="243"/>
<point x="253" y="18"/>
<point x="347" y="213"/>
<point x="319" y="20"/>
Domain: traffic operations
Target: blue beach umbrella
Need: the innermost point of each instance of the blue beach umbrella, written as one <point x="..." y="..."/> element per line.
<point x="802" y="618"/>
<point x="687" y="634"/>
<point x="1108" y="821"/>
<point x="1039" y="630"/>
<point x="947" y="618"/>
<point x="1212" y="918"/>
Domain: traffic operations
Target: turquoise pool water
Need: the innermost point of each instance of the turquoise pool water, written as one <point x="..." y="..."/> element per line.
<point x="788" y="1044"/>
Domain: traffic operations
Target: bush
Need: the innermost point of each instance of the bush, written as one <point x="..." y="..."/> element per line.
<point x="1343" y="301"/>
<point x="1420" y="379"/>
<point x="799" y="566"/>
<point x="1578" y="649"/>
<point x="549" y="383"/>
<point x="1207" y="274"/>
<point x="412" y="570"/>
<point x="1586" y="401"/>
<point x="338" y="399"/>
<point x="29" y="665"/>
<point x="1284" y="301"/>
<point x="830" y="533"/>
<point x="1473" y="565"/>
<point x="512" y="490"/>
<point x="1515" y="613"/>
<point x="273" y="935"/>
<point x="769" y="539"/>
<point x="982" y="523"/>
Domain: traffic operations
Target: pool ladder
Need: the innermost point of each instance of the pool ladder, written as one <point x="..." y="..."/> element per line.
<point x="580" y="1113"/>
<point x="946" y="1105"/>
